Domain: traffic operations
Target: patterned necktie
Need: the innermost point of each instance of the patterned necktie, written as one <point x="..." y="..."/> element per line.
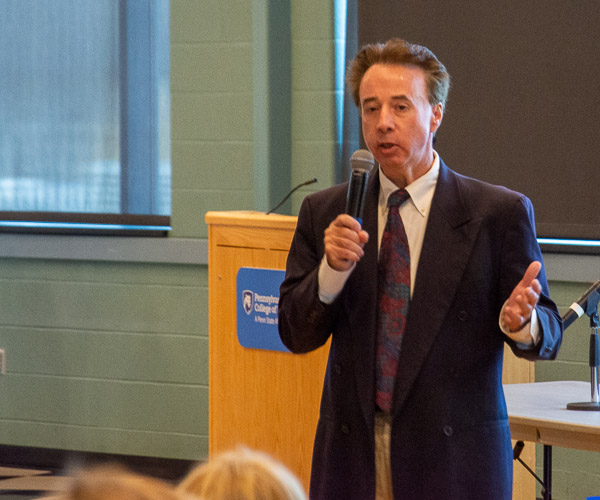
<point x="393" y="277"/>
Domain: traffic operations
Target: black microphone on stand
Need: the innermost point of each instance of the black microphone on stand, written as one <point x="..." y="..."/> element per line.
<point x="588" y="304"/>
<point x="579" y="308"/>
<point x="362" y="162"/>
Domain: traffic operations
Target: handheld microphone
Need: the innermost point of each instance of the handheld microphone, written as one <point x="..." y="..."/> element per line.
<point x="580" y="307"/>
<point x="362" y="162"/>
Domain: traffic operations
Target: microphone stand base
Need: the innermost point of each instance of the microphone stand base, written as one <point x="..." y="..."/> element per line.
<point x="584" y="406"/>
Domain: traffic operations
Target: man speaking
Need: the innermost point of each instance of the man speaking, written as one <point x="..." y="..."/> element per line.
<point x="419" y="300"/>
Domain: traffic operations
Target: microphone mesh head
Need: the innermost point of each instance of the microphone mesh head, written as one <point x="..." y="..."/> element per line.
<point x="362" y="161"/>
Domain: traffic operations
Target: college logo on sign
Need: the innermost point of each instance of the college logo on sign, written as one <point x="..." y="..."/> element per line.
<point x="248" y="301"/>
<point x="258" y="307"/>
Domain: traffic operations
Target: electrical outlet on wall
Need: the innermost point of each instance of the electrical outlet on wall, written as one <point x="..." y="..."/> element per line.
<point x="2" y="361"/>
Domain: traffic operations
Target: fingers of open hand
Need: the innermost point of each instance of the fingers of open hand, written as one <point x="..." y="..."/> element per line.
<point x="518" y="310"/>
<point x="527" y="297"/>
<point x="513" y="319"/>
<point x="523" y="298"/>
<point x="531" y="273"/>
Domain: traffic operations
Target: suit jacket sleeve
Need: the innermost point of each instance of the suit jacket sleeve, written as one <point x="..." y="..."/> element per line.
<point x="305" y="323"/>
<point x="521" y="240"/>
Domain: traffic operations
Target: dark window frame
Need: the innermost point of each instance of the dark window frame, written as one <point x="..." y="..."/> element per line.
<point x="139" y="124"/>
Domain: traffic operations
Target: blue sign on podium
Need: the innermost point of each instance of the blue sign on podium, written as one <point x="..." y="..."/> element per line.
<point x="257" y="308"/>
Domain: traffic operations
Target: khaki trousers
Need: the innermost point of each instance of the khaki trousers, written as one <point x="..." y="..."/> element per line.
<point x="383" y="468"/>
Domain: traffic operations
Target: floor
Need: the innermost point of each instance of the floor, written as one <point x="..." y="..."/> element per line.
<point x="30" y="484"/>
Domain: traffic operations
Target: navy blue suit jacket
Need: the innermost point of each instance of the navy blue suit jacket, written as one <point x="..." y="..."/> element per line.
<point x="450" y="434"/>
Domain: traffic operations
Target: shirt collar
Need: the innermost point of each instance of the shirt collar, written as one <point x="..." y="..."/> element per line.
<point x="421" y="190"/>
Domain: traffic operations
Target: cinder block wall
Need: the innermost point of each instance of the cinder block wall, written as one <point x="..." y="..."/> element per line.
<point x="112" y="356"/>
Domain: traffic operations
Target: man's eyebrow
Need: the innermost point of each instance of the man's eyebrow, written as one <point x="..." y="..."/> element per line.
<point x="369" y="100"/>
<point x="402" y="97"/>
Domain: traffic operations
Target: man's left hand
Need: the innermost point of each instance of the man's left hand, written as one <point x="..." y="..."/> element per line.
<point x="523" y="299"/>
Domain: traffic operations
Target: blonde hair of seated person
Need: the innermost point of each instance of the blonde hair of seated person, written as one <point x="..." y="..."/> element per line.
<point x="113" y="482"/>
<point x="243" y="474"/>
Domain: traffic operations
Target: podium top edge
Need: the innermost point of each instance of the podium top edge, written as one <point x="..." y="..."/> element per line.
<point x="251" y="218"/>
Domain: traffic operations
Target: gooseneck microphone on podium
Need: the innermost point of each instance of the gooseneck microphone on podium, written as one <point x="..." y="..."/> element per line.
<point x="588" y="304"/>
<point x="311" y="181"/>
<point x="361" y="162"/>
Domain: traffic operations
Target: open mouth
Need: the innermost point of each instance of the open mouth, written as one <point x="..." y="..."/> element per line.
<point x="386" y="146"/>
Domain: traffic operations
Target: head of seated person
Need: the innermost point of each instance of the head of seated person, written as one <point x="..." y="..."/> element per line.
<point x="110" y="482"/>
<point x="242" y="474"/>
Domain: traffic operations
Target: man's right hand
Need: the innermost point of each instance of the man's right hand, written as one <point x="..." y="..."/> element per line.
<point x="344" y="242"/>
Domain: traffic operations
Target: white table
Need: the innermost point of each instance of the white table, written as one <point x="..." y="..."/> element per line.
<point x="538" y="413"/>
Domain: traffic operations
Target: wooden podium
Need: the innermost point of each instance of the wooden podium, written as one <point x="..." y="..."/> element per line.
<point x="269" y="400"/>
<point x="266" y="400"/>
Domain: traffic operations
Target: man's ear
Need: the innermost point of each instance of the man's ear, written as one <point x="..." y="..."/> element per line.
<point x="437" y="115"/>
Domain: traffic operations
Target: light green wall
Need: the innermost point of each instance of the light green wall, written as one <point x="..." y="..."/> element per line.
<point x="213" y="92"/>
<point x="111" y="356"/>
<point x="104" y="357"/>
<point x="211" y="99"/>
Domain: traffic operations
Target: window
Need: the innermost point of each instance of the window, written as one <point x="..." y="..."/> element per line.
<point x="85" y="143"/>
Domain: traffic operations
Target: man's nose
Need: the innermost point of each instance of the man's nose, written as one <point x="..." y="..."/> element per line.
<point x="386" y="121"/>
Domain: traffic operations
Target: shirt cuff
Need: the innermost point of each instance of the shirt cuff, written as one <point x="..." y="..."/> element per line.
<point x="331" y="281"/>
<point x="528" y="336"/>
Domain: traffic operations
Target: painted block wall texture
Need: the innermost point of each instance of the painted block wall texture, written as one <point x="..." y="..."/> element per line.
<point x="211" y="99"/>
<point x="112" y="357"/>
<point x="314" y="136"/>
<point x="105" y="357"/>
<point x="212" y="113"/>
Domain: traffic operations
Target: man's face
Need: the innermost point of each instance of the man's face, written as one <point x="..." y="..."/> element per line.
<point x="398" y="122"/>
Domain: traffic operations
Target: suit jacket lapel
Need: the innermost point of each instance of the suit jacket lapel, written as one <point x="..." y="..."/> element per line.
<point x="449" y="236"/>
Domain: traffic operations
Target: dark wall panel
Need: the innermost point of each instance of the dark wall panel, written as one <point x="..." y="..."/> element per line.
<point x="524" y="108"/>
